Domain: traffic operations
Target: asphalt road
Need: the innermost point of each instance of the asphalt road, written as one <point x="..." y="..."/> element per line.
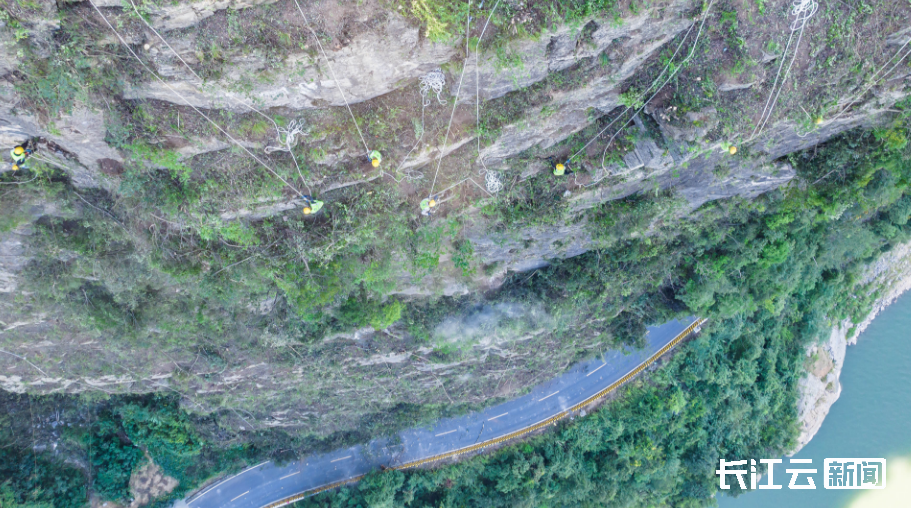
<point x="267" y="483"/>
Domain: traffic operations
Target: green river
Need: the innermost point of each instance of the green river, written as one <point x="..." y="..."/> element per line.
<point x="871" y="419"/>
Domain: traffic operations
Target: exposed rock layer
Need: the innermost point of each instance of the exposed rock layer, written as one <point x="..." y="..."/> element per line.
<point x="821" y="387"/>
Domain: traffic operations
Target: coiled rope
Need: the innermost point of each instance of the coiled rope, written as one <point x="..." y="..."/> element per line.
<point x="491" y="178"/>
<point x="434" y="80"/>
<point x="278" y="130"/>
<point x="286" y="136"/>
<point x="802" y="10"/>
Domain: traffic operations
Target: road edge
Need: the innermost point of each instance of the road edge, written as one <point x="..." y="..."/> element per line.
<point x="692" y="328"/>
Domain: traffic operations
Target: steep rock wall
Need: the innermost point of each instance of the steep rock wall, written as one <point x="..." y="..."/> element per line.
<point x="821" y="386"/>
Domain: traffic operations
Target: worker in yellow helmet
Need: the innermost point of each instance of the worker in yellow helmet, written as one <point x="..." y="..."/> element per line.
<point x="375" y="158"/>
<point x="19" y="154"/>
<point x="428" y="204"/>
<point x="560" y="169"/>
<point x="311" y="205"/>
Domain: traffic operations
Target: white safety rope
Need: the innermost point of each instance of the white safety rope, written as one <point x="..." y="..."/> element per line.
<point x="162" y="39"/>
<point x="875" y="79"/>
<point x="677" y="68"/>
<point x="278" y="130"/>
<point x="188" y="103"/>
<point x="286" y="136"/>
<point x="455" y="102"/>
<point x="434" y="80"/>
<point x="491" y="178"/>
<point x="802" y="10"/>
<point x="334" y="78"/>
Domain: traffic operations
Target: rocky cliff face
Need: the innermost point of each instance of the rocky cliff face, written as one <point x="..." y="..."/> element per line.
<point x="821" y="387"/>
<point x="538" y="96"/>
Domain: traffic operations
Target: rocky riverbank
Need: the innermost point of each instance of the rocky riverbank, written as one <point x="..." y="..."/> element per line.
<point x="821" y="386"/>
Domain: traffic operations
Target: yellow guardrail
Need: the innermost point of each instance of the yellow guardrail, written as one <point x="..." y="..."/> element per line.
<point x="512" y="435"/>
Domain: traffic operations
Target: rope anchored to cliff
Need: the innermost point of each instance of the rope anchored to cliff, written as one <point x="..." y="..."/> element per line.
<point x="188" y="103"/>
<point x="278" y="130"/>
<point x="802" y="10"/>
<point x="334" y="78"/>
<point x="434" y="81"/>
<point x="642" y="104"/>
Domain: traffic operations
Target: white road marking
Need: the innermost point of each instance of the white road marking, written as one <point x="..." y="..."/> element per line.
<point x="596" y="370"/>
<point x="495" y="417"/>
<point x="286" y="476"/>
<point x="444" y="433"/>
<point x="551" y="395"/>
<point x="343" y="458"/>
<point x="210" y="489"/>
<point x="240" y="496"/>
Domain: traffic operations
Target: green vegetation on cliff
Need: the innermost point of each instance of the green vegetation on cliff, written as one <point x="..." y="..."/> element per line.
<point x="772" y="275"/>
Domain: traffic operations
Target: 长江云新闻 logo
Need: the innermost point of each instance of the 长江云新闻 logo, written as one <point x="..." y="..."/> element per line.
<point x="837" y="473"/>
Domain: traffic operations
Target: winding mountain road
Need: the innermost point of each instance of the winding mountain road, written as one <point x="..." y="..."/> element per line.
<point x="269" y="485"/>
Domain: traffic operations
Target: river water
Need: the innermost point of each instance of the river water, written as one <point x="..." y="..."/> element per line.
<point x="872" y="418"/>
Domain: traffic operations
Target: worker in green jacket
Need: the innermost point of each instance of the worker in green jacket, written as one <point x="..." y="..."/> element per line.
<point x="375" y="158"/>
<point x="311" y="205"/>
<point x="427" y="205"/>
<point x="19" y="154"/>
<point x="560" y="169"/>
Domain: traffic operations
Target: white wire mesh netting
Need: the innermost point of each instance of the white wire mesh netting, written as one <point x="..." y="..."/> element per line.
<point x="434" y="80"/>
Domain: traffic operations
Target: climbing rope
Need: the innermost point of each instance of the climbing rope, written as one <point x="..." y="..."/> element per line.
<point x="188" y="103"/>
<point x="455" y="102"/>
<point x="651" y="87"/>
<point x="334" y="78"/>
<point x="493" y="180"/>
<point x="879" y="79"/>
<point x="802" y="10"/>
<point x="603" y="171"/>
<point x="278" y="130"/>
<point x="162" y="39"/>
<point x="434" y="80"/>
<point x="286" y="136"/>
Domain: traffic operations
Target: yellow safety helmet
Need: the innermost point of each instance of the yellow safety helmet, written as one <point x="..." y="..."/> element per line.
<point x="375" y="162"/>
<point x="15" y="167"/>
<point x="307" y="210"/>
<point x="732" y="150"/>
<point x="818" y="120"/>
<point x="560" y="167"/>
<point x="19" y="150"/>
<point x="433" y="202"/>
